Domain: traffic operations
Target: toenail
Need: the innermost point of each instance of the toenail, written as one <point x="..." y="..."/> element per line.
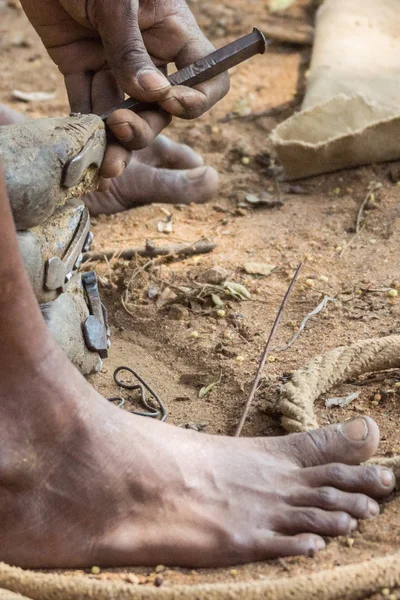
<point x="353" y="524"/>
<point x="123" y="131"/>
<point x="387" y="477"/>
<point x="373" y="508"/>
<point x="356" y="430"/>
<point x="196" y="173"/>
<point x="319" y="544"/>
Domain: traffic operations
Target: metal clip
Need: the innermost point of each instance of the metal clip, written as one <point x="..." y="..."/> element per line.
<point x="95" y="329"/>
<point x="92" y="154"/>
<point x="59" y="271"/>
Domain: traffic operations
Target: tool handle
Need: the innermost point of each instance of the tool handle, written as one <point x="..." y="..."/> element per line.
<point x="206" y="68"/>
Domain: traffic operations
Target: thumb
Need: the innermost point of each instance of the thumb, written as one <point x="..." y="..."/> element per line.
<point x="126" y="53"/>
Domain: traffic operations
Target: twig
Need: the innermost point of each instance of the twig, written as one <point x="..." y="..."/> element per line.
<point x="350" y="242"/>
<point x="361" y="211"/>
<point x="265" y="353"/>
<point x="372" y="188"/>
<point x="151" y="250"/>
<point x="288" y="31"/>
<point x="313" y="313"/>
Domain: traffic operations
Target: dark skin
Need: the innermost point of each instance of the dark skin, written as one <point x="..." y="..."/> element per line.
<point x="105" y="49"/>
<point x="84" y="483"/>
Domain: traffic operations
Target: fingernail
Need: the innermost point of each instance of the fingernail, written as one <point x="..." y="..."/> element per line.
<point x="353" y="524"/>
<point x="151" y="80"/>
<point x="373" y="508"/>
<point x="123" y="131"/>
<point x="356" y="430"/>
<point x="387" y="477"/>
<point x="196" y="173"/>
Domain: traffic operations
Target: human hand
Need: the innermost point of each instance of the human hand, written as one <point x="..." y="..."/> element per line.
<point x="105" y="49"/>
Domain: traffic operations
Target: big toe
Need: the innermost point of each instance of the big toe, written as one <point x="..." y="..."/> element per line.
<point x="170" y="186"/>
<point x="168" y="154"/>
<point x="349" y="443"/>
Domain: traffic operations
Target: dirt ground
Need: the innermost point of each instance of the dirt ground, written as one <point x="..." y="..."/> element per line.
<point x="316" y="221"/>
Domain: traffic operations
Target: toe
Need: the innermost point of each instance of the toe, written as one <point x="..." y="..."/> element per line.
<point x="165" y="153"/>
<point x="350" y="443"/>
<point x="315" y="520"/>
<point x="170" y="186"/>
<point x="358" y="506"/>
<point x="295" y="545"/>
<point x="371" y="480"/>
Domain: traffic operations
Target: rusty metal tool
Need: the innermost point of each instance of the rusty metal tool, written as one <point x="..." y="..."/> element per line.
<point x="206" y="68"/>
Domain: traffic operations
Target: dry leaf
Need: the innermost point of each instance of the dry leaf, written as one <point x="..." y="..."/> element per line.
<point x="237" y="290"/>
<point x="342" y="402"/>
<point x="206" y="389"/>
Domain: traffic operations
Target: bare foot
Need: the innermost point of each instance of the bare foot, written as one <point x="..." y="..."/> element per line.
<point x="83" y="482"/>
<point x="165" y="172"/>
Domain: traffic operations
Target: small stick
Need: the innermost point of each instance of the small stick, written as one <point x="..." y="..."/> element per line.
<point x="265" y="353"/>
<point x="304" y="322"/>
<point x="361" y="211"/>
<point x="151" y="250"/>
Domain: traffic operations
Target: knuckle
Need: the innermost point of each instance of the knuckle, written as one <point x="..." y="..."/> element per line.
<point x="309" y="518"/>
<point x="371" y="474"/>
<point x="337" y="472"/>
<point x="328" y="497"/>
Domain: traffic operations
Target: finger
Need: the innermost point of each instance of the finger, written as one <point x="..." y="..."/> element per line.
<point x="130" y="62"/>
<point x="190" y="103"/>
<point x="116" y="159"/>
<point x="105" y="92"/>
<point x="136" y="131"/>
<point x="79" y="90"/>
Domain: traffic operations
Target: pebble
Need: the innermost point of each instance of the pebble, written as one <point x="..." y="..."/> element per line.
<point x="132" y="578"/>
<point x="95" y="570"/>
<point x="254" y="268"/>
<point x="160" y="569"/>
<point x="178" y="313"/>
<point x="215" y="275"/>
